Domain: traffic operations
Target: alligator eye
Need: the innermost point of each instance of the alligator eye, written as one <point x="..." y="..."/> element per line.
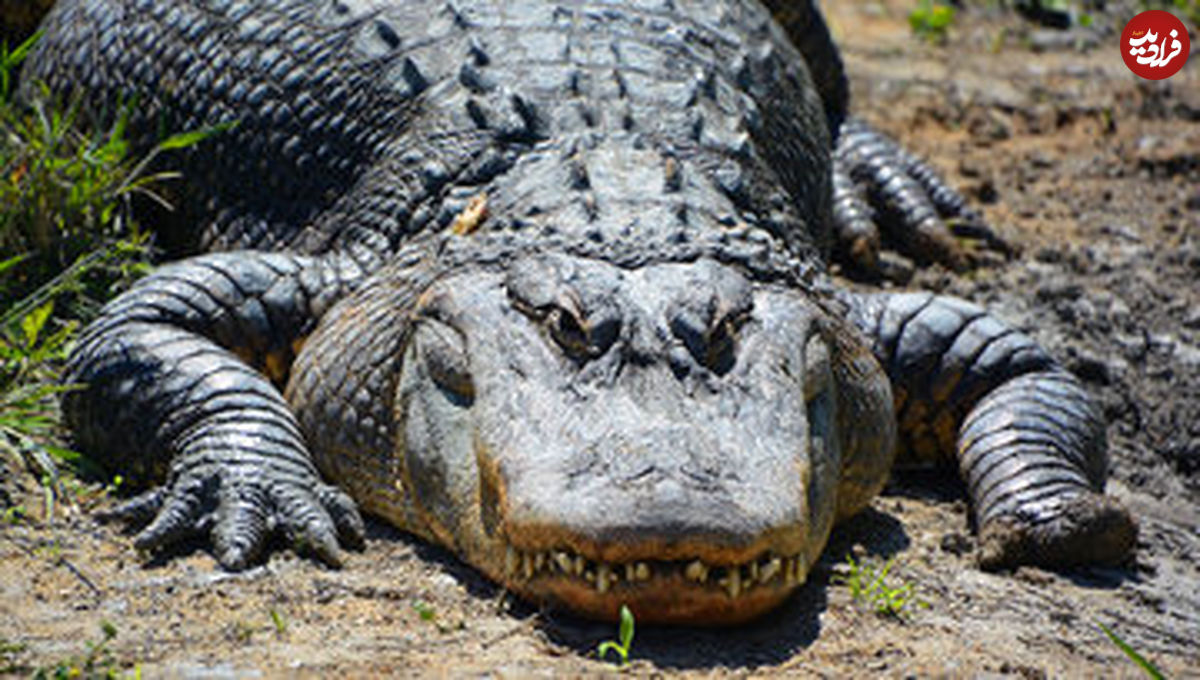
<point x="445" y="356"/>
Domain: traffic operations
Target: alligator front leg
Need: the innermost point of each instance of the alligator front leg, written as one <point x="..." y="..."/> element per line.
<point x="168" y="391"/>
<point x="1026" y="436"/>
<point x="883" y="193"/>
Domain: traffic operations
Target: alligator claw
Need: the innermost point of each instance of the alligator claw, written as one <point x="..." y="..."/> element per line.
<point x="886" y="195"/>
<point x="137" y="511"/>
<point x="240" y="515"/>
<point x="179" y="517"/>
<point x="351" y="530"/>
<point x="305" y="518"/>
<point x="242" y="526"/>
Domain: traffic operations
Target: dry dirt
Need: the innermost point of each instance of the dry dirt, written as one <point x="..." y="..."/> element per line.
<point x="1093" y="172"/>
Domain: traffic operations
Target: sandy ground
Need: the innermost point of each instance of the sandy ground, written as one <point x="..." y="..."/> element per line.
<point x="1093" y="172"/>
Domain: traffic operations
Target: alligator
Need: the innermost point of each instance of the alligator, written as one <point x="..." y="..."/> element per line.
<point x="546" y="284"/>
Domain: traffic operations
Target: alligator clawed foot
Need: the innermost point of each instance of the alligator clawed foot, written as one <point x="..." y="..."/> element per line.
<point x="1087" y="529"/>
<point x="886" y="198"/>
<point x="241" y="517"/>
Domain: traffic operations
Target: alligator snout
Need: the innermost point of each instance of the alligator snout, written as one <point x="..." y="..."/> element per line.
<point x="668" y="521"/>
<point x="665" y="493"/>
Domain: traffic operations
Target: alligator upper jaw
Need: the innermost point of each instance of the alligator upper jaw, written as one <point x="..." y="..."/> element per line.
<point x="694" y="592"/>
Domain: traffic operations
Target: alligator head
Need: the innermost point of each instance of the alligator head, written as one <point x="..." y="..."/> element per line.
<point x="673" y="437"/>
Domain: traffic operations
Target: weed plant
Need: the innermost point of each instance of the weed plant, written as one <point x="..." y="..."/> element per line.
<point x="868" y="584"/>
<point x="67" y="244"/>
<point x="931" y="20"/>
<point x="624" y="643"/>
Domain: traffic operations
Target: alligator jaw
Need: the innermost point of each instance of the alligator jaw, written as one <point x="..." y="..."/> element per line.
<point x="677" y="591"/>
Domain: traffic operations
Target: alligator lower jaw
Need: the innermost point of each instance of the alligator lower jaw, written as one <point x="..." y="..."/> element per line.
<point x="691" y="592"/>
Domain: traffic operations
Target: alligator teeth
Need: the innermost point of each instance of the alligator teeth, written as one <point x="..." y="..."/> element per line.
<point x="637" y="571"/>
<point x="603" y="574"/>
<point x="801" y="571"/>
<point x="733" y="582"/>
<point x="564" y="562"/>
<point x="510" y="562"/>
<point x="770" y="570"/>
<point x="642" y="571"/>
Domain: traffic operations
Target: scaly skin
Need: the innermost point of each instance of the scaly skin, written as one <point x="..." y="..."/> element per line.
<point x="548" y="290"/>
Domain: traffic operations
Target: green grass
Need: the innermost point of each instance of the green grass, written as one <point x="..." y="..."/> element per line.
<point x="425" y="611"/>
<point x="28" y="391"/>
<point x="97" y="661"/>
<point x="869" y="585"/>
<point x="1148" y="668"/>
<point x="624" y="641"/>
<point x="66" y="195"/>
<point x="64" y="198"/>
<point x="10" y="652"/>
<point x="279" y="622"/>
<point x="14" y="515"/>
<point x="931" y="20"/>
<point x="68" y="243"/>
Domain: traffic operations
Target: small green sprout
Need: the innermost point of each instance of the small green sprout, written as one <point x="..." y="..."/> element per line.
<point x="1148" y="668"/>
<point x="425" y="611"/>
<point x="97" y="663"/>
<point x="14" y="515"/>
<point x="931" y="21"/>
<point x="280" y="623"/>
<point x="48" y="487"/>
<point x="625" y="633"/>
<point x="113" y="487"/>
<point x="867" y="583"/>
<point x="9" y="651"/>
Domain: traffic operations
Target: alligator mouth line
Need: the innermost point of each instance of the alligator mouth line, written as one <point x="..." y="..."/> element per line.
<point x="735" y="580"/>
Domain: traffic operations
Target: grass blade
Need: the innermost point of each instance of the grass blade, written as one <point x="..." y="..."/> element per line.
<point x="1150" y="669"/>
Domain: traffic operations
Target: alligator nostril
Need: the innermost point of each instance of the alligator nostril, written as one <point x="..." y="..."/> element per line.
<point x="721" y="346"/>
<point x="603" y="333"/>
<point x="712" y="345"/>
<point x="569" y="331"/>
<point x="680" y="361"/>
<point x="581" y="337"/>
<point x="691" y="331"/>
